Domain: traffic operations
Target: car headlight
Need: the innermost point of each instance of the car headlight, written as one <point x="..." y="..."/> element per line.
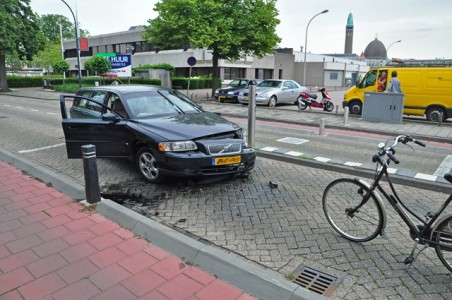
<point x="177" y="146"/>
<point x="245" y="138"/>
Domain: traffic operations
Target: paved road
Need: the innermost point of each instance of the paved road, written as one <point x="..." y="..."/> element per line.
<point x="284" y="227"/>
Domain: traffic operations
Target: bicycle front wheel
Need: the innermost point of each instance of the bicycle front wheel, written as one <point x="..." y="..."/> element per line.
<point x="343" y="195"/>
<point x="443" y="247"/>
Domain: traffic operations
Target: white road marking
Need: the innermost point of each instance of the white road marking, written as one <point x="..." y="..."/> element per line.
<point x="19" y="107"/>
<point x="353" y="164"/>
<point x="444" y="167"/>
<point x="42" y="148"/>
<point x="50" y="113"/>
<point x="322" y="159"/>
<point x="291" y="140"/>
<point x="425" y="177"/>
<point x="34" y="110"/>
<point x="269" y="149"/>
<point x="294" y="153"/>
<point x="6" y="105"/>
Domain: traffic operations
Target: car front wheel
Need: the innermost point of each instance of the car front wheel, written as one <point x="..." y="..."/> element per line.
<point x="272" y="102"/>
<point x="147" y="165"/>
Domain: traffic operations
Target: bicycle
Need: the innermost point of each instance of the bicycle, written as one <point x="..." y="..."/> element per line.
<point x="355" y="209"/>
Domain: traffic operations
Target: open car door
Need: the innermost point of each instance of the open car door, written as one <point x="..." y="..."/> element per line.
<point x="86" y="121"/>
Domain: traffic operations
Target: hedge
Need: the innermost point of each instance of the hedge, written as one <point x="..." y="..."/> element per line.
<point x="24" y="81"/>
<point x="178" y="82"/>
<point x="106" y="81"/>
<point x="195" y="83"/>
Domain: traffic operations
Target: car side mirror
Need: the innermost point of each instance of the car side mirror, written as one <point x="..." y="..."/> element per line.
<point x="285" y="88"/>
<point x="110" y="117"/>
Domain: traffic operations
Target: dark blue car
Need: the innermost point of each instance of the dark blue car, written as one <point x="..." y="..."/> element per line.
<point x="230" y="92"/>
<point x="160" y="129"/>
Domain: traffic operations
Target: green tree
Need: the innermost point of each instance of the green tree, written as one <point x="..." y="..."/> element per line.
<point x="19" y="33"/>
<point x="97" y="65"/>
<point x="61" y="67"/>
<point x="48" y="57"/>
<point x="50" y="25"/>
<point x="230" y="29"/>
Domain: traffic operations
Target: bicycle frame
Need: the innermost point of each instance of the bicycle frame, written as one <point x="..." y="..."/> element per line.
<point x="423" y="233"/>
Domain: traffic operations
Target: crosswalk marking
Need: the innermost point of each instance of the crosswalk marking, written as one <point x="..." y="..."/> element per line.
<point x="444" y="167"/>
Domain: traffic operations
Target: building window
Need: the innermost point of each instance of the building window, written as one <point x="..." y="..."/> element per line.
<point x="233" y="73"/>
<point x="334" y="76"/>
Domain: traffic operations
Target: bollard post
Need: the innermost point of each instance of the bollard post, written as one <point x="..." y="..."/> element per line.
<point x="337" y="109"/>
<point x="92" y="189"/>
<point x="252" y="114"/>
<point x="346" y="110"/>
<point x="196" y="97"/>
<point x="191" y="96"/>
<point x="207" y="96"/>
<point x="96" y="83"/>
<point x="322" y="127"/>
<point x="440" y="120"/>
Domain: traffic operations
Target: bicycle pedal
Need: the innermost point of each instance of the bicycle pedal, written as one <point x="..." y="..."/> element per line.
<point x="384" y="236"/>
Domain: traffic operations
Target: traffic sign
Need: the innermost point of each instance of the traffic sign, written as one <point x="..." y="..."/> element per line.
<point x="191" y="61"/>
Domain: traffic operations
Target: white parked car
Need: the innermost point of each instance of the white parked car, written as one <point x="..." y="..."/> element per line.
<point x="274" y="91"/>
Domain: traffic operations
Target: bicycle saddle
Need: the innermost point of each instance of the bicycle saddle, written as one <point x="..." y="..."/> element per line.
<point x="448" y="177"/>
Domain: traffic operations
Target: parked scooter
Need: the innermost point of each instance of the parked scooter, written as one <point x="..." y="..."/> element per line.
<point x="309" y="99"/>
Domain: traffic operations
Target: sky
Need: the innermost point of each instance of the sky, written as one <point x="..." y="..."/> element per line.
<point x="424" y="27"/>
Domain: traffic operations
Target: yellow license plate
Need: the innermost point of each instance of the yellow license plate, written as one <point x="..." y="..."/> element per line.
<point x="218" y="161"/>
<point x="247" y="99"/>
<point x="222" y="97"/>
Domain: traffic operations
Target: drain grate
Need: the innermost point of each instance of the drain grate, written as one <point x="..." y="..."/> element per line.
<point x="316" y="281"/>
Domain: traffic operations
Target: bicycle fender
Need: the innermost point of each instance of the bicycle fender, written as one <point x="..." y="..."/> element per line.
<point x="380" y="201"/>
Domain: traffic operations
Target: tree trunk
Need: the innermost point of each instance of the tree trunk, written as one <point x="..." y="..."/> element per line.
<point x="214" y="72"/>
<point x="3" y="82"/>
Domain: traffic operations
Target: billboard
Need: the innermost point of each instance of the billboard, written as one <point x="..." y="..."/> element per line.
<point x="121" y="64"/>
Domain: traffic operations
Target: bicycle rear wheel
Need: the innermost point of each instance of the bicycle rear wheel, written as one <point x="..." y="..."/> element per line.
<point x="443" y="249"/>
<point x="344" y="194"/>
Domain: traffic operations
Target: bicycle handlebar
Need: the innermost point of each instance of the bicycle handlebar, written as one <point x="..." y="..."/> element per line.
<point x="389" y="150"/>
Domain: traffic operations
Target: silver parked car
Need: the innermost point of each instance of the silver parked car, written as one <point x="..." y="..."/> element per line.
<point x="274" y="91"/>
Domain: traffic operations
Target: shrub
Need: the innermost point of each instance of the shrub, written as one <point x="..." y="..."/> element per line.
<point x="168" y="67"/>
<point x="195" y="82"/>
<point x="24" y="81"/>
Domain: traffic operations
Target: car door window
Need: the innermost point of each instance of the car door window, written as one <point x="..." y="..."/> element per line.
<point x="84" y="109"/>
<point x="369" y="79"/>
<point x="287" y="85"/>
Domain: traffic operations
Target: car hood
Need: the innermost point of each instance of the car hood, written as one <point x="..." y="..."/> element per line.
<point x="230" y="89"/>
<point x="188" y="126"/>
<point x="264" y="89"/>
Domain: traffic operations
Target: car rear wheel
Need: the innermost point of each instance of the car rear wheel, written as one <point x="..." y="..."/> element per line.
<point x="147" y="165"/>
<point x="434" y="114"/>
<point x="272" y="102"/>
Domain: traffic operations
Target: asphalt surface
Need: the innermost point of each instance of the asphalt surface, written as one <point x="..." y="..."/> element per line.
<point x="283" y="227"/>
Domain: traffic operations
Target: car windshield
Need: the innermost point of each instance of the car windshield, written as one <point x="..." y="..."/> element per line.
<point x="159" y="103"/>
<point x="270" y="83"/>
<point x="237" y="83"/>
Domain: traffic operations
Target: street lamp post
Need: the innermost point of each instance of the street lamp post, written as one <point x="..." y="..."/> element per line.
<point x="306" y="45"/>
<point x="77" y="41"/>
<point x="387" y="49"/>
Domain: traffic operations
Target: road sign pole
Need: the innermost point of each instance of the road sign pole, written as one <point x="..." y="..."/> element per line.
<point x="189" y="76"/>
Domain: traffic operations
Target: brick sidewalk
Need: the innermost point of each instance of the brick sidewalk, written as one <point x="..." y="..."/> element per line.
<point x="52" y="247"/>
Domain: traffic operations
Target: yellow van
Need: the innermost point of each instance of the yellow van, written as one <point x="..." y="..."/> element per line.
<point x="428" y="91"/>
